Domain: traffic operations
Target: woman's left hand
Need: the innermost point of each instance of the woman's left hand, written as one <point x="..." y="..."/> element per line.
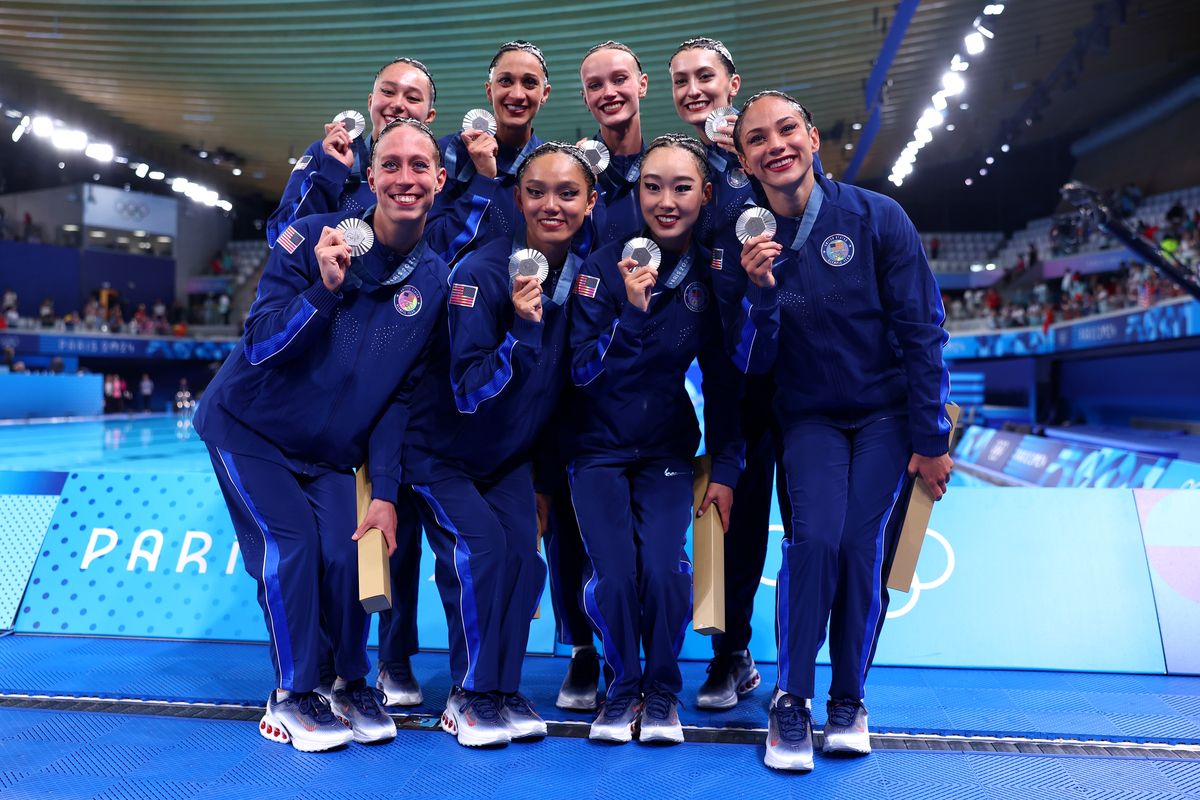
<point x="934" y="470"/>
<point x="722" y="496"/>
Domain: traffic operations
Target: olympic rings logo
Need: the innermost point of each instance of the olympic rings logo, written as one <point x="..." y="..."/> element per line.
<point x="132" y="209"/>
<point x="918" y="585"/>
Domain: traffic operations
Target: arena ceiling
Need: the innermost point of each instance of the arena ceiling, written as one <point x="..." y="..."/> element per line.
<point x="258" y="78"/>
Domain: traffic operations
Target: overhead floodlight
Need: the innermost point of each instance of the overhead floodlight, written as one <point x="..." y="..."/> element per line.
<point x="982" y="171"/>
<point x="179" y="185"/>
<point x="993" y="10"/>
<point x="142" y="170"/>
<point x="990" y="267"/>
<point x="939" y="101"/>
<point x="989" y="160"/>
<point x="950" y="127"/>
<point x="1004" y="148"/>
<point x="968" y="181"/>
<point x="923" y="136"/>
<point x="210" y="198"/>
<point x="195" y="191"/>
<point x="930" y="119"/>
<point x="19" y="131"/>
<point x="42" y="126"/>
<point x="237" y="171"/>
<point x="957" y="64"/>
<point x="976" y="267"/>
<point x="225" y="205"/>
<point x="156" y="175"/>
<point x="974" y="42"/>
<point x="984" y="30"/>
<point x="99" y="151"/>
<point x="953" y="84"/>
<point x="69" y="139"/>
<point x="857" y="126"/>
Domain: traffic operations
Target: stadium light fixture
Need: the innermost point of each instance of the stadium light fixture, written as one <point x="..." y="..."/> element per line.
<point x="156" y="175"/>
<point x="974" y="42"/>
<point x="69" y="139"/>
<point x="42" y="127"/>
<point x="953" y="84"/>
<point x="99" y="151"/>
<point x="142" y="170"/>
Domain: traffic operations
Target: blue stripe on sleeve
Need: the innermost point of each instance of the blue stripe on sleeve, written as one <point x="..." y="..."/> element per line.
<point x="470" y="403"/>
<point x="259" y="352"/>
<point x="741" y="355"/>
<point x="479" y="206"/>
<point x="584" y="375"/>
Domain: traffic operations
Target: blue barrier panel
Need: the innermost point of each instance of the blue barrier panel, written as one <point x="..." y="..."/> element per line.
<point x="1172" y="540"/>
<point x="1017" y="578"/>
<point x="144" y="554"/>
<point x="24" y="395"/>
<point x="27" y="501"/>
<point x="1029" y="578"/>
<point x="114" y="346"/>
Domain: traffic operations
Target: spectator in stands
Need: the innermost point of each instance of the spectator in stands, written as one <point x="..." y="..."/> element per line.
<point x="223" y="307"/>
<point x="935" y="244"/>
<point x="27" y="227"/>
<point x="1033" y="256"/>
<point x="993" y="301"/>
<point x="116" y="320"/>
<point x="1176" y="214"/>
<point x="10" y="299"/>
<point x="145" y="390"/>
<point x="57" y="365"/>
<point x="140" y="322"/>
<point x="10" y="357"/>
<point x="46" y="313"/>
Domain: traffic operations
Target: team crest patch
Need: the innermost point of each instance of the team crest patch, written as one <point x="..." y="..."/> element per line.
<point x="737" y="177"/>
<point x="695" y="296"/>
<point x="718" y="258"/>
<point x="407" y="301"/>
<point x="837" y="250"/>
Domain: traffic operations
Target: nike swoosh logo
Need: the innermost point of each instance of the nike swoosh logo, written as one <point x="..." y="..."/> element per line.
<point x="667" y="472"/>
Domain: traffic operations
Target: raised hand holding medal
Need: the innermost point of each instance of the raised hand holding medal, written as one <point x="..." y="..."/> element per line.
<point x="755" y="229"/>
<point x="639" y="264"/>
<point x="479" y="136"/>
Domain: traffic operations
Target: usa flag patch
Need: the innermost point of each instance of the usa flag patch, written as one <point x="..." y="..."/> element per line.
<point x="302" y="162"/>
<point x="586" y="285"/>
<point x="463" y="294"/>
<point x="718" y="257"/>
<point x="290" y="239"/>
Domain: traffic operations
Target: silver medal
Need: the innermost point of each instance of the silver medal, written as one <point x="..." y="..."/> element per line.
<point x="352" y="121"/>
<point x="644" y="251"/>
<point x="596" y="154"/>
<point x="358" y="235"/>
<point x="754" y="221"/>
<point x="528" y="262"/>
<point x="479" y="119"/>
<point x="717" y="117"/>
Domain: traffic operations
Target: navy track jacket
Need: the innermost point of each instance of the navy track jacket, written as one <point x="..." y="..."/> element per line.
<point x="630" y="365"/>
<point x="853" y="326"/>
<point x="497" y="379"/>
<point x="618" y="212"/>
<point x="320" y="184"/>
<point x="322" y="380"/>
<point x="472" y="210"/>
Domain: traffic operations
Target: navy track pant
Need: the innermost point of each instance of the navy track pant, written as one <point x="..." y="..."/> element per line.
<point x="398" y="625"/>
<point x="568" y="567"/>
<point x="846" y="486"/>
<point x="489" y="573"/>
<point x="634" y="519"/>
<point x="294" y="533"/>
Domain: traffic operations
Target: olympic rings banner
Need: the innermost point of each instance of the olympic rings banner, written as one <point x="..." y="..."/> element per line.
<point x="1009" y="577"/>
<point x="107" y="207"/>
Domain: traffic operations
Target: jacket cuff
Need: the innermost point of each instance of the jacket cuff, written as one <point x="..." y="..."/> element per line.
<point x="323" y="300"/>
<point x="333" y="170"/>
<point x="633" y="319"/>
<point x="762" y="297"/>
<point x="725" y="473"/>
<point x="384" y="487"/>
<point x="931" y="446"/>
<point x="528" y="333"/>
<point x="484" y="187"/>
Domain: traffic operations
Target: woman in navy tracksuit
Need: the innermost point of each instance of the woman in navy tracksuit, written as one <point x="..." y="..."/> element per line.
<point x="333" y="347"/>
<point x="331" y="176"/>
<point x="477" y="203"/>
<point x="634" y="331"/>
<point x="613" y="88"/>
<point x="475" y="426"/>
<point x="840" y="303"/>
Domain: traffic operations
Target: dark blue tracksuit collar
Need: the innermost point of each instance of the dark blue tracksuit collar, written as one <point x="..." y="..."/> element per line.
<point x="625" y="168"/>
<point x="720" y="160"/>
<point x="379" y="266"/>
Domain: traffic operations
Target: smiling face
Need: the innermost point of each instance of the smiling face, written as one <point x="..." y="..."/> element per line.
<point x="776" y="145"/>
<point x="405" y="175"/>
<point x="401" y="90"/>
<point x="701" y="83"/>
<point x="612" y="86"/>
<point x="672" y="190"/>
<point x="517" y="89"/>
<point x="555" y="199"/>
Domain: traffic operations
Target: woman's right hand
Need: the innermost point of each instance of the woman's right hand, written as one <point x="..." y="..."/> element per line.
<point x="333" y="257"/>
<point x="337" y="143"/>
<point x="482" y="148"/>
<point x="758" y="256"/>
<point x="527" y="298"/>
<point x="639" y="283"/>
